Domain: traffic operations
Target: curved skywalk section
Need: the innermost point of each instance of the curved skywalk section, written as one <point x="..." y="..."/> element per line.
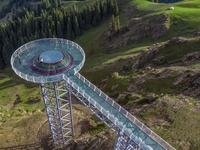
<point x="21" y="64"/>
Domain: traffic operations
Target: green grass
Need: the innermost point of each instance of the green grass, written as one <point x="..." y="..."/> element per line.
<point x="121" y="83"/>
<point x="125" y="100"/>
<point x="156" y="85"/>
<point x="93" y="42"/>
<point x="180" y="126"/>
<point x="98" y="128"/>
<point x="17" y="93"/>
<point x="174" y="52"/>
<point x="184" y="12"/>
<point x="182" y="131"/>
<point x="195" y="66"/>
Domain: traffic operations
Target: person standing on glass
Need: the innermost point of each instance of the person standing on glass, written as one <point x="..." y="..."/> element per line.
<point x="19" y="57"/>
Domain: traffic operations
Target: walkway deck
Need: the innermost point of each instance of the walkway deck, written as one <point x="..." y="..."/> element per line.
<point x="132" y="127"/>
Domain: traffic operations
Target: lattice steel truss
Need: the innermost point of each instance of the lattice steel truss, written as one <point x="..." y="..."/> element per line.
<point x="123" y="142"/>
<point x="57" y="100"/>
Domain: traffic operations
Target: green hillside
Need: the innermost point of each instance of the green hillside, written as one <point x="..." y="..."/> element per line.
<point x="150" y="66"/>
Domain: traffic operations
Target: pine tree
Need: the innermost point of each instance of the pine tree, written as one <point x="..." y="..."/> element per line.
<point x="88" y="15"/>
<point x="60" y="18"/>
<point x="36" y="24"/>
<point x="7" y="51"/>
<point x="50" y="33"/>
<point x="113" y="24"/>
<point x="28" y="28"/>
<point x="59" y="30"/>
<point x="110" y="5"/>
<point x="117" y="22"/>
<point x="76" y="26"/>
<point x="69" y="29"/>
<point x="115" y="9"/>
<point x="59" y="2"/>
<point x="103" y="9"/>
<point x="94" y="21"/>
<point x="2" y="62"/>
<point x="13" y="39"/>
<point x="52" y="26"/>
<point x="80" y="21"/>
<point x="97" y="12"/>
<point x="46" y="4"/>
<point x="56" y="3"/>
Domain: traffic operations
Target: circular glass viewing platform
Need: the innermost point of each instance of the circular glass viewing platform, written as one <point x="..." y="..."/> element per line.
<point x="47" y="60"/>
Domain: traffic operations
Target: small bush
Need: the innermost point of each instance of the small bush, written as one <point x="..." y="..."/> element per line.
<point x="97" y="129"/>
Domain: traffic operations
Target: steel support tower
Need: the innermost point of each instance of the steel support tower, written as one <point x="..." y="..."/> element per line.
<point x="54" y="64"/>
<point x="44" y="61"/>
<point x="57" y="100"/>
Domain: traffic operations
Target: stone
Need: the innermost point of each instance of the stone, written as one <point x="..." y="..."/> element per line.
<point x="150" y="97"/>
<point x="155" y="28"/>
<point x="134" y="96"/>
<point x="197" y="33"/>
<point x="120" y="96"/>
<point x="114" y="87"/>
<point x="191" y="57"/>
<point x="197" y="104"/>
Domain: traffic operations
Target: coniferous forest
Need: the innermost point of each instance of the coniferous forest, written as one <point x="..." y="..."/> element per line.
<point x="34" y="19"/>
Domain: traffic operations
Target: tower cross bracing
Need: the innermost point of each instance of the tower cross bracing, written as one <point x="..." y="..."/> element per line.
<point x="57" y="100"/>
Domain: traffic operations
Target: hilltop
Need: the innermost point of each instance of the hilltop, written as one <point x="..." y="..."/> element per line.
<point x="150" y="67"/>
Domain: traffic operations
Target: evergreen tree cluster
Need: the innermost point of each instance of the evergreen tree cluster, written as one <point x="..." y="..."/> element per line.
<point x="19" y="3"/>
<point x="50" y="19"/>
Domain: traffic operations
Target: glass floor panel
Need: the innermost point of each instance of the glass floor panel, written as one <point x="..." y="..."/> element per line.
<point x="121" y="119"/>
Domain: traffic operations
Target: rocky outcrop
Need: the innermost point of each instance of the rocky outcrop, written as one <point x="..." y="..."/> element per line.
<point x="144" y="57"/>
<point x="191" y="57"/>
<point x="148" y="54"/>
<point x="141" y="28"/>
<point x="197" y="33"/>
<point x="150" y="97"/>
<point x="193" y="85"/>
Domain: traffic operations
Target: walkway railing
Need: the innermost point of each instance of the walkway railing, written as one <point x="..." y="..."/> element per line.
<point x="133" y="119"/>
<point x="83" y="59"/>
<point x="103" y="111"/>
